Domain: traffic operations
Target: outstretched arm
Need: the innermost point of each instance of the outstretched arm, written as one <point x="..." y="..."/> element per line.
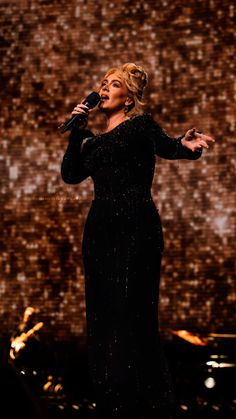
<point x="188" y="146"/>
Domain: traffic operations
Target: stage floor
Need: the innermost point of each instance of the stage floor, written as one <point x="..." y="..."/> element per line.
<point x="57" y="387"/>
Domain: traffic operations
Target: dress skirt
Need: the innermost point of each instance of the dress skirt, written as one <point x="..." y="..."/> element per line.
<point x="122" y="249"/>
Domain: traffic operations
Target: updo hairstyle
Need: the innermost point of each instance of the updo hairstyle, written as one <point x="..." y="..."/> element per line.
<point x="136" y="80"/>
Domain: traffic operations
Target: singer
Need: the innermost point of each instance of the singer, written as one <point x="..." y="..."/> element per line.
<point x="122" y="247"/>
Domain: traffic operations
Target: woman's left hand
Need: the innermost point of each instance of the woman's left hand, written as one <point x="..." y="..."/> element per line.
<point x="195" y="140"/>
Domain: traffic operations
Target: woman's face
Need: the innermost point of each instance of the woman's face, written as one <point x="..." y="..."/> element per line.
<point x="114" y="93"/>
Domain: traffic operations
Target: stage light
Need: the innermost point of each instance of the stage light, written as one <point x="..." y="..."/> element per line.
<point x="210" y="382"/>
<point x="75" y="406"/>
<point x="183" y="407"/>
<point x="213" y="364"/>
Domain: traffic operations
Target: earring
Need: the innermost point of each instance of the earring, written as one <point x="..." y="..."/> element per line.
<point x="126" y="109"/>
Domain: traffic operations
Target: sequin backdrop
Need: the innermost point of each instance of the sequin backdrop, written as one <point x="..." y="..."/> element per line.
<point x="53" y="53"/>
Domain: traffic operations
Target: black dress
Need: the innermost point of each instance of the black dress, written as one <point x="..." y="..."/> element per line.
<point x="122" y="249"/>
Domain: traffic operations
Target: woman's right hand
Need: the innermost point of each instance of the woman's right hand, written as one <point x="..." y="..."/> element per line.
<point x="81" y="109"/>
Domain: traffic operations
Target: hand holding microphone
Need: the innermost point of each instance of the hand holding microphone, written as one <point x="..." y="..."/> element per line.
<point x="80" y="113"/>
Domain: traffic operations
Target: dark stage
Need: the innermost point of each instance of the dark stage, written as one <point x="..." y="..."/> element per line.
<point x="51" y="381"/>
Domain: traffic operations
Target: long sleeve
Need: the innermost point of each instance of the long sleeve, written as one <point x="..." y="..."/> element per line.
<point x="167" y="147"/>
<point x="72" y="167"/>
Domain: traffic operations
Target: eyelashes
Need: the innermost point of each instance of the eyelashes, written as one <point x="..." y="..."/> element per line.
<point x="115" y="84"/>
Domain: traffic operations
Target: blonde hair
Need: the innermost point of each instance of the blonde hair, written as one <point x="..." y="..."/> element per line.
<point x="136" y="80"/>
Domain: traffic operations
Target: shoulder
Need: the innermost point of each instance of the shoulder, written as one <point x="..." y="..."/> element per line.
<point x="146" y="120"/>
<point x="138" y="118"/>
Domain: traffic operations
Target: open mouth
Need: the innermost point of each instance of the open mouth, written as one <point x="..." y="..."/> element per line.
<point x="104" y="97"/>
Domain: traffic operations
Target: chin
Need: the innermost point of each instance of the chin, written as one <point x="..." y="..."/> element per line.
<point x="101" y="105"/>
<point x="101" y="108"/>
<point x="104" y="108"/>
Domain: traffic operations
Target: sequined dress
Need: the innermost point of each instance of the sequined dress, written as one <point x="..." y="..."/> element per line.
<point x="122" y="249"/>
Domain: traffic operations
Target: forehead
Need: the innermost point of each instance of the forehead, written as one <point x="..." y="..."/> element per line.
<point x="114" y="75"/>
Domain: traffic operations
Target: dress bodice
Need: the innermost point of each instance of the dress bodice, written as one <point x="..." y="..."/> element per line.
<point x="122" y="160"/>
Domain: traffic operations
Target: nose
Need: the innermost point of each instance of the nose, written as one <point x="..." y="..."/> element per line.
<point x="105" y="88"/>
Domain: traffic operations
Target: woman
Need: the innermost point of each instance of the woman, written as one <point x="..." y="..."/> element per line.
<point x="123" y="246"/>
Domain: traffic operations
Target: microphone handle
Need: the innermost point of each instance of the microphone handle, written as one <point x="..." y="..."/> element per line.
<point x="65" y="126"/>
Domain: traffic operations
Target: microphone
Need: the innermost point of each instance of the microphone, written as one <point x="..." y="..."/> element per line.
<point x="91" y="101"/>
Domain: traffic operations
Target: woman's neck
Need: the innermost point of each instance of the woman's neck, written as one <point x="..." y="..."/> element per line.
<point x="114" y="120"/>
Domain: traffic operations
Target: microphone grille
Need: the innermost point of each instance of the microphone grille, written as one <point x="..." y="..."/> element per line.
<point x="92" y="100"/>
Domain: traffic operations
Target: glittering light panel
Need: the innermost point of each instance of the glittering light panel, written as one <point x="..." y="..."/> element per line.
<point x="52" y="56"/>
